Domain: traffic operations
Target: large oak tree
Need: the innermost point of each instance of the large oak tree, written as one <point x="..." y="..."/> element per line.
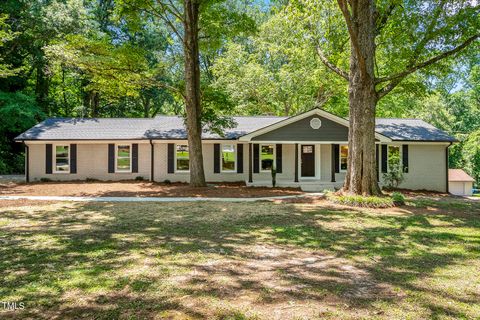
<point x="381" y="43"/>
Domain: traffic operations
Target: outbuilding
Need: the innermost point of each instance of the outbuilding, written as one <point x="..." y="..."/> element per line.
<point x="460" y="183"/>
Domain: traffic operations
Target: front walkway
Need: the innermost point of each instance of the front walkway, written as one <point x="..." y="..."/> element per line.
<point x="157" y="199"/>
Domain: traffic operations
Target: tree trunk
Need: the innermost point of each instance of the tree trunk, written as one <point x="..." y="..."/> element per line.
<point x="192" y="93"/>
<point x="362" y="176"/>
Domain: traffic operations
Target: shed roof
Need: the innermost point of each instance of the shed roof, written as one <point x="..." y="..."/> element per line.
<point x="458" y="175"/>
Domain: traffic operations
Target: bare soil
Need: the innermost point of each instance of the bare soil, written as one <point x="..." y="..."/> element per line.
<point x="140" y="189"/>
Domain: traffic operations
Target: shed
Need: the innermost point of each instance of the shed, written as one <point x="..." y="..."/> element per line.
<point x="460" y="183"/>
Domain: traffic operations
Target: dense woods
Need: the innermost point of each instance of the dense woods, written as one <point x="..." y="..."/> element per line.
<point x="140" y="58"/>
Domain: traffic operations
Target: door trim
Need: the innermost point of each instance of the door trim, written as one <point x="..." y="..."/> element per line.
<point x="317" y="162"/>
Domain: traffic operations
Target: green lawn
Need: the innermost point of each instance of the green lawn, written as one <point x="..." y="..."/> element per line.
<point x="241" y="261"/>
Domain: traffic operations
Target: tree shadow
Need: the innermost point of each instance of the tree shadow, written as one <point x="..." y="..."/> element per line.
<point x="144" y="259"/>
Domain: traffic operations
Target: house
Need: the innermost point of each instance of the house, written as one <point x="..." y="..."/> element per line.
<point x="308" y="150"/>
<point x="460" y="183"/>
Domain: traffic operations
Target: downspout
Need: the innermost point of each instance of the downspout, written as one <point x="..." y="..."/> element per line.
<point x="27" y="162"/>
<point x="446" y="160"/>
<point x="152" y="157"/>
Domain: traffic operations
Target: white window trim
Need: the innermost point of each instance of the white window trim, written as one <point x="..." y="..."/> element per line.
<point x="54" y="161"/>
<point x="234" y="157"/>
<point x="400" y="154"/>
<point x="274" y="156"/>
<point x="116" y="157"/>
<point x="340" y="158"/>
<point x="175" y="158"/>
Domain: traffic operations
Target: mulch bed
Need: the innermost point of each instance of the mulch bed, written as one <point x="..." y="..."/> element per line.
<point x="141" y="189"/>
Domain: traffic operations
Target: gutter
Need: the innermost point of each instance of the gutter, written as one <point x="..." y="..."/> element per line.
<point x="152" y="158"/>
<point x="446" y="165"/>
<point x="27" y="162"/>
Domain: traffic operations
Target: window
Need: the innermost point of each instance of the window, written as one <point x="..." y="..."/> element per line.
<point x="266" y="157"/>
<point x="62" y="159"/>
<point x="394" y="157"/>
<point x="228" y="157"/>
<point x="123" y="160"/>
<point x="343" y="158"/>
<point x="183" y="157"/>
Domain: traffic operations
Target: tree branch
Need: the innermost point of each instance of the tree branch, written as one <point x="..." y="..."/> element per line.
<point x="353" y="34"/>
<point x="416" y="67"/>
<point x="166" y="20"/>
<point x="331" y="66"/>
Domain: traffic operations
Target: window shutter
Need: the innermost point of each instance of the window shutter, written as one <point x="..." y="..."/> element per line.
<point x="171" y="158"/>
<point x="73" y="158"/>
<point x="48" y="158"/>
<point x="256" y="158"/>
<point x="111" y="158"/>
<point x="240" y="158"/>
<point x="135" y="157"/>
<point x="336" y="157"/>
<point x="377" y="158"/>
<point x="405" y="157"/>
<point x="384" y="158"/>
<point x="278" y="158"/>
<point x="216" y="158"/>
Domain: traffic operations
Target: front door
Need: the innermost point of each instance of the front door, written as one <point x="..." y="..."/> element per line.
<point x="308" y="160"/>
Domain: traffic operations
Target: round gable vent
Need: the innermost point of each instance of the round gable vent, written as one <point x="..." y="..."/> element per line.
<point x="315" y="123"/>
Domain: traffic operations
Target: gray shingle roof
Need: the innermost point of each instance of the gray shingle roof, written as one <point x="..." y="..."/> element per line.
<point x="160" y="127"/>
<point x="172" y="127"/>
<point x="411" y="130"/>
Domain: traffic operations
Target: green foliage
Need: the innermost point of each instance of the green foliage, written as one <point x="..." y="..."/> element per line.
<point x="361" y="201"/>
<point x="394" y="177"/>
<point x="6" y="35"/>
<point x="398" y="199"/>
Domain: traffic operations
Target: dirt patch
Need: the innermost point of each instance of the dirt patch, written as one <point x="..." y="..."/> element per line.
<point x="141" y="189"/>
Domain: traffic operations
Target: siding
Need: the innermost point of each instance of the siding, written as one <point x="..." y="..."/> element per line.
<point x="92" y="162"/>
<point x="301" y="131"/>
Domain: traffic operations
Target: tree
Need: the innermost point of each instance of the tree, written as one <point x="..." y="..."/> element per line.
<point x="183" y="19"/>
<point x="384" y="45"/>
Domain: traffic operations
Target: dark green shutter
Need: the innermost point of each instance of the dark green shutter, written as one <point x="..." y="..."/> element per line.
<point x="384" y="158"/>
<point x="279" y="158"/>
<point x="73" y="158"/>
<point x="135" y="157"/>
<point x="111" y="158"/>
<point x="405" y="158"/>
<point x="171" y="158"/>
<point x="336" y="157"/>
<point x="256" y="158"/>
<point x="239" y="158"/>
<point x="216" y="158"/>
<point x="48" y="158"/>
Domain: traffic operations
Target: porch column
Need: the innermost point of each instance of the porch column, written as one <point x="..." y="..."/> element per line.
<point x="333" y="162"/>
<point x="296" y="162"/>
<point x="250" y="164"/>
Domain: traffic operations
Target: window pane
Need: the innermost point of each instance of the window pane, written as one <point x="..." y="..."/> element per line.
<point x="228" y="157"/>
<point x="123" y="164"/>
<point x="393" y="156"/>
<point x="61" y="164"/>
<point x="183" y="162"/>
<point x="123" y="151"/>
<point x="266" y="157"/>
<point x="343" y="157"/>
<point x="61" y="151"/>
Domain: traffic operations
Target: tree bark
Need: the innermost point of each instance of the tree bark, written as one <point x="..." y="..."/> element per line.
<point x="361" y="176"/>
<point x="192" y="93"/>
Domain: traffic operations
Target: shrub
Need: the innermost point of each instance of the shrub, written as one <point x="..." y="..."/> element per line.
<point x="45" y="180"/>
<point x="139" y="178"/>
<point x="166" y="181"/>
<point x="361" y="201"/>
<point x="91" y="180"/>
<point x="274" y="177"/>
<point x="398" y="199"/>
<point x="395" y="176"/>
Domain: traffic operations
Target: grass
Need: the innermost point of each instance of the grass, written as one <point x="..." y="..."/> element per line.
<point x="362" y="201"/>
<point x="242" y="261"/>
